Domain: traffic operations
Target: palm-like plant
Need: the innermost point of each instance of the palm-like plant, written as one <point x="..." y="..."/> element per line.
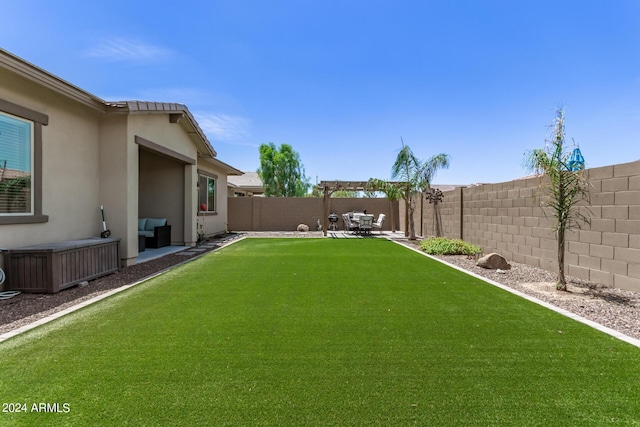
<point x="431" y="167"/>
<point x="392" y="192"/>
<point x="407" y="169"/>
<point x="415" y="177"/>
<point x="563" y="187"/>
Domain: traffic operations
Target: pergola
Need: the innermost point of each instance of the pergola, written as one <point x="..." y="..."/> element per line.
<point x="329" y="187"/>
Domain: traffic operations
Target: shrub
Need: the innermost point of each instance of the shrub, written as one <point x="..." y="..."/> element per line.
<point x="444" y="246"/>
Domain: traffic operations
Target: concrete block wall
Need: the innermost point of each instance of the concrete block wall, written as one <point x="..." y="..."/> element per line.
<point x="507" y="218"/>
<point x="286" y="213"/>
<point x="449" y="211"/>
<point x="273" y="213"/>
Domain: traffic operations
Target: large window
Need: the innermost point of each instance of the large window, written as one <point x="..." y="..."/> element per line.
<point x="16" y="165"/>
<point x="207" y="193"/>
<point x="20" y="164"/>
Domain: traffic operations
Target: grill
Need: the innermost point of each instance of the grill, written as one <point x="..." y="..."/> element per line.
<point x="333" y="219"/>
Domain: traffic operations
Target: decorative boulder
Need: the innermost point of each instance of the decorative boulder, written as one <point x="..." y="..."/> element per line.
<point x="303" y="227"/>
<point x="493" y="261"/>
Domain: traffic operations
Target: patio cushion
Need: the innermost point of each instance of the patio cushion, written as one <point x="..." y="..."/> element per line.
<point x="141" y="223"/>
<point x="145" y="233"/>
<point x="152" y="223"/>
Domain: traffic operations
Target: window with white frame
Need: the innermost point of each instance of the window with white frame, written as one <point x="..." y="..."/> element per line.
<point x="207" y="193"/>
<point x="16" y="165"/>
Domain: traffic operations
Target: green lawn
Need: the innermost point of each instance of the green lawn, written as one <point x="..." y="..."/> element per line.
<point x="293" y="332"/>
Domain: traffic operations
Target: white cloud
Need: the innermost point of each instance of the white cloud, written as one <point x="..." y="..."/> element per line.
<point x="225" y="128"/>
<point x="120" y="49"/>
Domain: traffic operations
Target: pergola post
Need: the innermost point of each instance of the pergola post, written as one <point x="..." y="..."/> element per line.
<point x="325" y="210"/>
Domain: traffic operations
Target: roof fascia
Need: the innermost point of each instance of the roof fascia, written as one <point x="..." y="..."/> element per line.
<point x="227" y="168"/>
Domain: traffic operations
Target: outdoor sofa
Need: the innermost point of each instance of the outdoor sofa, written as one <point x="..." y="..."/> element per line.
<point x="156" y="232"/>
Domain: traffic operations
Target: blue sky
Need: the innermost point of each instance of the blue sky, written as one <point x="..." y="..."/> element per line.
<point x="344" y="81"/>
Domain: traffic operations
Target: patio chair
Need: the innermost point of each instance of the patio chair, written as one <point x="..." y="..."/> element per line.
<point x="365" y="224"/>
<point x="348" y="224"/>
<point x="378" y="223"/>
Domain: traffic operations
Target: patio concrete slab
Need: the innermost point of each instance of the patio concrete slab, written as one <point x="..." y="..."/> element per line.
<point x="151" y="253"/>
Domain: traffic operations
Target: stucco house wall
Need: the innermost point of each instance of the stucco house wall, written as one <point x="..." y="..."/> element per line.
<point x="216" y="222"/>
<point x="70" y="151"/>
<point x="135" y="158"/>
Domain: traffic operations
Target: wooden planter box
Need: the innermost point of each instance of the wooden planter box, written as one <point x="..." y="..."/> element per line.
<point x="52" y="267"/>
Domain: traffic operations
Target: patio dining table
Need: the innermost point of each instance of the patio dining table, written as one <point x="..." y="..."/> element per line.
<point x="355" y="216"/>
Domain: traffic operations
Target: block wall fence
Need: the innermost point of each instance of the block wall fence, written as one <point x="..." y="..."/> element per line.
<point x="286" y="213"/>
<point x="507" y="218"/>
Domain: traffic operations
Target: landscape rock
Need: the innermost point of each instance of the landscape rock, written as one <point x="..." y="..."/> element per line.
<point x="493" y="261"/>
<point x="303" y="227"/>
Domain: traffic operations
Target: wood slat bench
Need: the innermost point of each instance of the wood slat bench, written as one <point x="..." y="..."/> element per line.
<point x="52" y="267"/>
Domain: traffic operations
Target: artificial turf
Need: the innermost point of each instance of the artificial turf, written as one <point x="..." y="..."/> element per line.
<point x="318" y="332"/>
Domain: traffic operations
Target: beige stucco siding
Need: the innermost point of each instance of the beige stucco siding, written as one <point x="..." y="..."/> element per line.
<point x="215" y="223"/>
<point x="70" y="166"/>
<point x="158" y="129"/>
<point x="118" y="181"/>
<point x="190" y="206"/>
<point x="135" y="158"/>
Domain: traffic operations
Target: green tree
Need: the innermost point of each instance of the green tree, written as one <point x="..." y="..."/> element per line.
<point x="315" y="192"/>
<point x="344" y="194"/>
<point x="562" y="187"/>
<point x="282" y="172"/>
<point x="415" y="176"/>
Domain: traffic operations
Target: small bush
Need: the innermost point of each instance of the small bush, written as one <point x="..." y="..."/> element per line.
<point x="444" y="246"/>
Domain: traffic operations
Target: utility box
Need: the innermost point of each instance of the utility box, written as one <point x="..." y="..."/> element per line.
<point x="53" y="267"/>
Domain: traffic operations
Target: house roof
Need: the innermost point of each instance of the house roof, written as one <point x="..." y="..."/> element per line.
<point x="176" y="111"/>
<point x="231" y="171"/>
<point x="247" y="180"/>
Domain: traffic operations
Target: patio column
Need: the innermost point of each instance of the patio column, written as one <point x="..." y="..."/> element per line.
<point x="325" y="210"/>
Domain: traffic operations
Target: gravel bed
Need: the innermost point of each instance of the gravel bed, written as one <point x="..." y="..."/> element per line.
<point x="615" y="308"/>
